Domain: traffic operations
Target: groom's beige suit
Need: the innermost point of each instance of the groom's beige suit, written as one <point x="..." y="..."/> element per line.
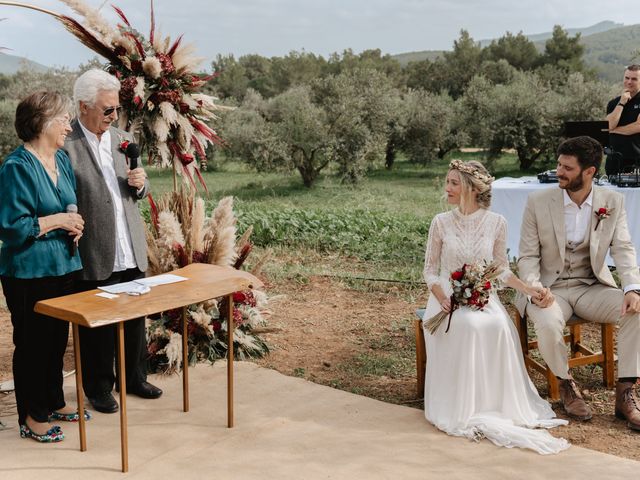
<point x="578" y="276"/>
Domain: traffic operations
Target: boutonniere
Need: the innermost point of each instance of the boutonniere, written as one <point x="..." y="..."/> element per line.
<point x="601" y="214"/>
<point x="123" y="145"/>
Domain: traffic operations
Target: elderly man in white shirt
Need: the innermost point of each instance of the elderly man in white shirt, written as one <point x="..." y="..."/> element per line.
<point x="113" y="248"/>
<point x="565" y="236"/>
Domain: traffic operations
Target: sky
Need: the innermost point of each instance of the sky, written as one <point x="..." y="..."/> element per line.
<point x="276" y="27"/>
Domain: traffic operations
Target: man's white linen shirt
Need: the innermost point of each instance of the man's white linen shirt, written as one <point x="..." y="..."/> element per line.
<point x="576" y="218"/>
<point x="101" y="149"/>
<point x="576" y="223"/>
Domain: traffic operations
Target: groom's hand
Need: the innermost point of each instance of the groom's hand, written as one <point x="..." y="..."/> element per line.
<point x="631" y="303"/>
<point x="545" y="300"/>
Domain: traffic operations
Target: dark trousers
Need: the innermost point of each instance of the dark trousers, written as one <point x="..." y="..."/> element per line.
<point x="98" y="345"/>
<point x="40" y="342"/>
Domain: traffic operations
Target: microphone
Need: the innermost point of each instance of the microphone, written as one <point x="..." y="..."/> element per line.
<point x="72" y="208"/>
<point x="133" y="153"/>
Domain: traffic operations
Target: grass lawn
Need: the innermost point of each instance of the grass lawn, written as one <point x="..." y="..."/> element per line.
<point x="378" y="228"/>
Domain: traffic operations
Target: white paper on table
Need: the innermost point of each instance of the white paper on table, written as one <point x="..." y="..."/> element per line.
<point x="106" y="295"/>
<point x="163" y="279"/>
<point x="130" y="288"/>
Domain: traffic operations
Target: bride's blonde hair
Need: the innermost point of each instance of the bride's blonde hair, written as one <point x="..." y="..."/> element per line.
<point x="474" y="177"/>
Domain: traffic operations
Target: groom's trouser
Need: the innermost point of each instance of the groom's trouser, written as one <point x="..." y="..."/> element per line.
<point x="595" y="303"/>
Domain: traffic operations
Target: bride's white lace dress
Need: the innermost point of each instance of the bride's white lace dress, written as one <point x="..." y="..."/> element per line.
<point x="476" y="382"/>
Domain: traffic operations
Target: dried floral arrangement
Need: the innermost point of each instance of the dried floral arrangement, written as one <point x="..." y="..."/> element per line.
<point x="161" y="96"/>
<point x="472" y="285"/>
<point x="180" y="233"/>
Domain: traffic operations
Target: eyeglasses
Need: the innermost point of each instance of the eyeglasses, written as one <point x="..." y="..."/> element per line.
<point x="109" y="110"/>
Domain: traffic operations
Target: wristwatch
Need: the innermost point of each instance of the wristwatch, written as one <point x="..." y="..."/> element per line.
<point x="621" y="104"/>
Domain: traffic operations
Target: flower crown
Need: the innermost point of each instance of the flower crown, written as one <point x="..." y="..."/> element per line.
<point x="471" y="170"/>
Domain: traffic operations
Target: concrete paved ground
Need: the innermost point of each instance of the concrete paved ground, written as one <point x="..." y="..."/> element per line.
<point x="285" y="428"/>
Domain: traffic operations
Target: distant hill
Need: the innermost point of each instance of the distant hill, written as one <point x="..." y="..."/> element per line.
<point x="609" y="52"/>
<point x="609" y="47"/>
<point x="593" y="29"/>
<point x="405" y="58"/>
<point x="10" y="64"/>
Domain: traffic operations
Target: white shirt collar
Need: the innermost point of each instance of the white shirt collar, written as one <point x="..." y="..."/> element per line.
<point x="567" y="199"/>
<point x="106" y="136"/>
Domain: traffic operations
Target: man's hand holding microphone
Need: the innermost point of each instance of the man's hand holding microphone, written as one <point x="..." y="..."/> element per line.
<point x="136" y="175"/>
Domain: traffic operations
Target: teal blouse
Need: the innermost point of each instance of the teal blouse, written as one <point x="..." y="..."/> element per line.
<point x="26" y="193"/>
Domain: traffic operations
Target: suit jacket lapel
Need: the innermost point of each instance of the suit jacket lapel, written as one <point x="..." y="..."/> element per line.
<point x="119" y="159"/>
<point x="556" y="211"/>
<point x="79" y="137"/>
<point x="594" y="235"/>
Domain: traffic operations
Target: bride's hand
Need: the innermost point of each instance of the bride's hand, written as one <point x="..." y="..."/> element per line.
<point x="445" y="305"/>
<point x="536" y="293"/>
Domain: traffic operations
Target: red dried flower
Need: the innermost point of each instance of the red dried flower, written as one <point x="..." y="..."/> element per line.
<point x="237" y="317"/>
<point x="245" y="297"/>
<point x="457" y="275"/>
<point x="171" y="96"/>
<point x="198" y="257"/>
<point x="166" y="63"/>
<point x="127" y="87"/>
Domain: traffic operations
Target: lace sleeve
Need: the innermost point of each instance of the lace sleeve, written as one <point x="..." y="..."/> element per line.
<point x="432" y="255"/>
<point x="500" y="250"/>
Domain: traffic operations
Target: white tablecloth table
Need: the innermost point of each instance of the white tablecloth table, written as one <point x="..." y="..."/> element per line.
<point x="510" y="197"/>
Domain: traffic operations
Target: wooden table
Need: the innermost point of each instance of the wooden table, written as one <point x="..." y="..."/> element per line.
<point x="85" y="309"/>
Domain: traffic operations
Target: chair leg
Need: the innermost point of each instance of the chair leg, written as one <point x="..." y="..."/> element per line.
<point x="521" y="327"/>
<point x="607" y="351"/>
<point x="576" y="338"/>
<point x="554" y="388"/>
<point x="421" y="357"/>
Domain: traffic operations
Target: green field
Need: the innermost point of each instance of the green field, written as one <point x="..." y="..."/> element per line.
<point x="378" y="228"/>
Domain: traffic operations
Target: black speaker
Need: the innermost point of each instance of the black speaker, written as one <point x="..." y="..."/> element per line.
<point x="596" y="129"/>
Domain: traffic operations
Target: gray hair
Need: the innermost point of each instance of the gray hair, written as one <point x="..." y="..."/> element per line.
<point x="90" y="84"/>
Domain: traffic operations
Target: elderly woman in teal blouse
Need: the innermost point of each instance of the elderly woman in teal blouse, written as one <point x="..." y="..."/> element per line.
<point x="38" y="258"/>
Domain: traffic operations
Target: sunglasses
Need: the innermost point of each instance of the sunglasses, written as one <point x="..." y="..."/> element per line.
<point x="109" y="110"/>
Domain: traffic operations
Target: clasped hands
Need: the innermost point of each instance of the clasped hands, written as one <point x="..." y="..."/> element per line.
<point x="540" y="296"/>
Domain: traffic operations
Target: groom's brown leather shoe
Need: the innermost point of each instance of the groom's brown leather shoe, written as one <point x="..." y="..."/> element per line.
<point x="628" y="404"/>
<point x="572" y="400"/>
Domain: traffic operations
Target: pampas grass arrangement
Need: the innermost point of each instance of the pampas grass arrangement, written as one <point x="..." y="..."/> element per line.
<point x="181" y="233"/>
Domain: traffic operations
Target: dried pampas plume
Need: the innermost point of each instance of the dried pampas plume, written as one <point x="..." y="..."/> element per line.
<point x="185" y="235"/>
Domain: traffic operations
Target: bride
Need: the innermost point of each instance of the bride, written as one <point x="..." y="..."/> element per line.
<point x="476" y="382"/>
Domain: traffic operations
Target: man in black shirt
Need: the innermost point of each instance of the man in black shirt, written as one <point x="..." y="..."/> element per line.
<point x="624" y="125"/>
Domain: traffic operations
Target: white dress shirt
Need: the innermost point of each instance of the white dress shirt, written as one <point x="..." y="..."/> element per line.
<point x="577" y="218"/>
<point x="101" y="149"/>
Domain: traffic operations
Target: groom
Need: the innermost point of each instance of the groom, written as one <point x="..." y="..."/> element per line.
<point x="566" y="234"/>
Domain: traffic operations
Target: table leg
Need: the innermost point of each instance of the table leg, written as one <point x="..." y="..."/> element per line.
<point x="230" y="362"/>
<point x="79" y="388"/>
<point x="124" y="441"/>
<point x="185" y="360"/>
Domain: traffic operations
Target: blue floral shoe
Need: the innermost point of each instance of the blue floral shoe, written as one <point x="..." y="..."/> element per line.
<point x="68" y="417"/>
<point x="54" y="434"/>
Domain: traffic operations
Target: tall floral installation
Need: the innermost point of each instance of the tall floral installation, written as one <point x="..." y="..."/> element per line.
<point x="180" y="233"/>
<point x="161" y="97"/>
<point x="162" y="104"/>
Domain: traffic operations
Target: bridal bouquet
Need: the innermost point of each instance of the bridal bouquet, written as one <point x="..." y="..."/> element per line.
<point x="472" y="285"/>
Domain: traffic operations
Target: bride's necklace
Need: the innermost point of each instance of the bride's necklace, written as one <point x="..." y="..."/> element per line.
<point x="53" y="170"/>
